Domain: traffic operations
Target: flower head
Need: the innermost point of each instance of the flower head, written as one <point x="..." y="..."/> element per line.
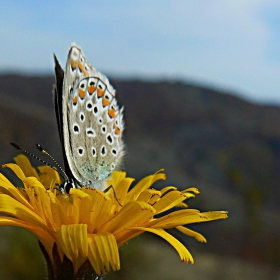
<point x="88" y="225"/>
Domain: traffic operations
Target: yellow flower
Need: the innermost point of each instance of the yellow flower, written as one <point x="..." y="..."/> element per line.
<point x="89" y="225"/>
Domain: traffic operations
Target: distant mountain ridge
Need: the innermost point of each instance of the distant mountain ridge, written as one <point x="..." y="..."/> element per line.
<point x="227" y="147"/>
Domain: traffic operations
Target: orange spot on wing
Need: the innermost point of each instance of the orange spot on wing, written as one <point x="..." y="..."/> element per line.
<point x="81" y="67"/>
<point x="100" y="92"/>
<point x="91" y="89"/>
<point x="73" y="64"/>
<point x="75" y="100"/>
<point x="111" y="113"/>
<point x="105" y="102"/>
<point x="81" y="93"/>
<point x="117" y="129"/>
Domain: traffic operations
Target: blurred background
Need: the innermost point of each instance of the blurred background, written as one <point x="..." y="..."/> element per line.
<point x="200" y="83"/>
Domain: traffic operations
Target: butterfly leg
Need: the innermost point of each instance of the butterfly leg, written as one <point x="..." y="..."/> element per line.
<point x="115" y="194"/>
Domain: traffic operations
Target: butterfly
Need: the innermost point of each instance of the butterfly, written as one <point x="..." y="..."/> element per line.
<point x="89" y="120"/>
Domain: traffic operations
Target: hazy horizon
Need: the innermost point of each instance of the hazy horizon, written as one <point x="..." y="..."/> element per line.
<point x="229" y="46"/>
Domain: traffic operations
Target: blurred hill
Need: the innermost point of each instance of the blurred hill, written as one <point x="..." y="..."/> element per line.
<point x="225" y="146"/>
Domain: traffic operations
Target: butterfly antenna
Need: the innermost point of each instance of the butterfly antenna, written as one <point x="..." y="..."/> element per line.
<point x="62" y="172"/>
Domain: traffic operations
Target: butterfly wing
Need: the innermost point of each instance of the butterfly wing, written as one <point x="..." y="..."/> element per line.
<point x="92" y="122"/>
<point x="57" y="98"/>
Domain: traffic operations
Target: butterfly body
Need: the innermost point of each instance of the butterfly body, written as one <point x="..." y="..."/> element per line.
<point x="89" y="120"/>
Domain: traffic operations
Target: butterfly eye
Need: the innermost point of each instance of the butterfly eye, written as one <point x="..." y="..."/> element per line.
<point x="67" y="186"/>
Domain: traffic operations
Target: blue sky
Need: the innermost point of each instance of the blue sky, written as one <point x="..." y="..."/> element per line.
<point x="229" y="45"/>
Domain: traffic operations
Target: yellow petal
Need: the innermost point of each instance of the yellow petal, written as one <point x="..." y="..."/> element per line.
<point x="116" y="177"/>
<point x="213" y="215"/>
<point x="121" y="189"/>
<point x="183" y="252"/>
<point x="14" y="208"/>
<point x="192" y="189"/>
<point x="182" y="205"/>
<point x="8" y="188"/>
<point x="73" y="240"/>
<point x="186" y="216"/>
<point x="144" y="184"/>
<point x="82" y="203"/>
<point x="103" y="252"/>
<point x="16" y="169"/>
<point x="177" y="218"/>
<point x="59" y="212"/>
<point x="33" y="183"/>
<point x="169" y="200"/>
<point x="44" y="207"/>
<point x="166" y="189"/>
<point x="38" y="197"/>
<point x="23" y="162"/>
<point x="124" y="236"/>
<point x="149" y="196"/>
<point x="142" y="212"/>
<point x="101" y="208"/>
<point x="45" y="238"/>
<point x="192" y="233"/>
<point x="49" y="177"/>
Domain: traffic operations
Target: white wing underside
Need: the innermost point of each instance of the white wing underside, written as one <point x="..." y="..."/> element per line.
<point x="92" y="122"/>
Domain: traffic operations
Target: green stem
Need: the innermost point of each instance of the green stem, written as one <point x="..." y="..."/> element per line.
<point x="64" y="270"/>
